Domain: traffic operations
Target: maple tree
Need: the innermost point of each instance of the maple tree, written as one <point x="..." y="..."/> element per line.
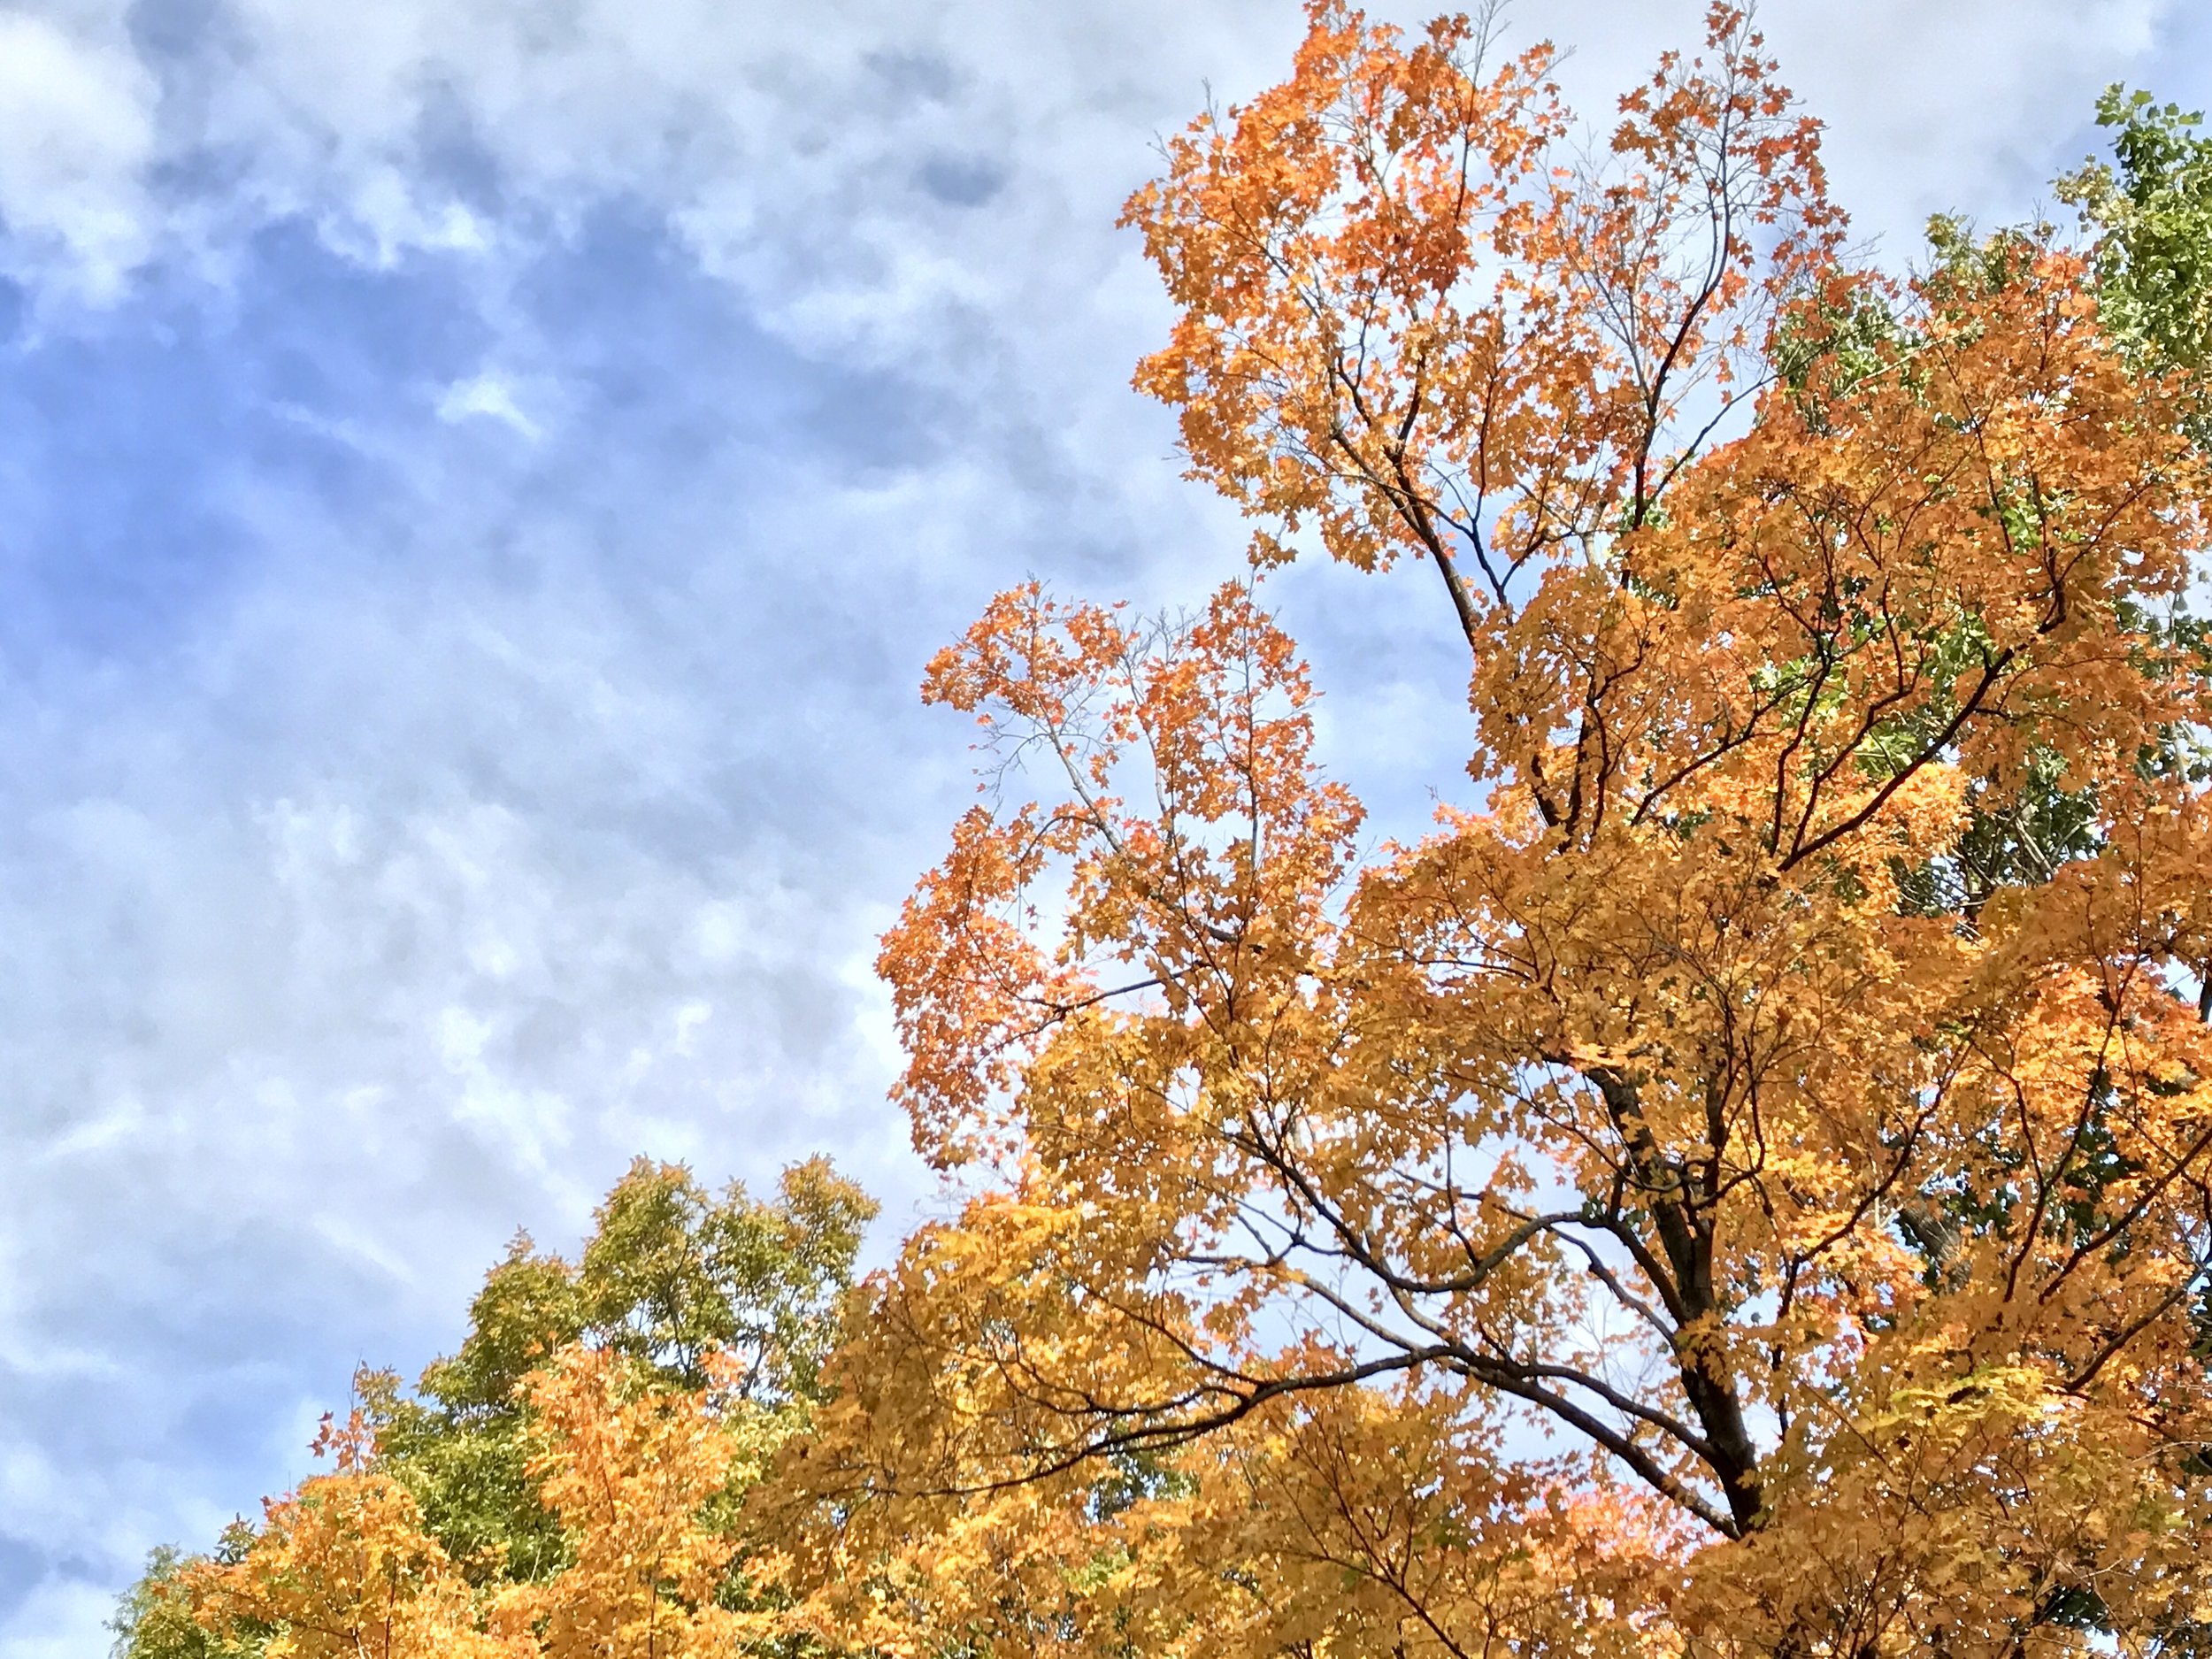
<point x="345" y="1566"/>
<point x="1741" y="1182"/>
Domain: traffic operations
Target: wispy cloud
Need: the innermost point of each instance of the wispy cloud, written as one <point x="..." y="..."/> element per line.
<point x="77" y="147"/>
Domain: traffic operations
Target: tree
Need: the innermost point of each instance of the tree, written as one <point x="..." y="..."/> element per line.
<point x="346" y="1567"/>
<point x="671" y="1277"/>
<point x="340" y="1568"/>
<point x="573" y="1470"/>
<point x="1739" y="1184"/>
<point x="638" y="1479"/>
<point x="2153" y="206"/>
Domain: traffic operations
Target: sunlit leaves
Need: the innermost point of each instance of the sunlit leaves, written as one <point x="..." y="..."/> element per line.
<point x="1743" y="1182"/>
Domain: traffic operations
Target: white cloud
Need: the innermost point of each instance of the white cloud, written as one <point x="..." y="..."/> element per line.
<point x="76" y="138"/>
<point x="58" y="1620"/>
<point x="490" y="395"/>
<point x="1967" y="106"/>
<point x="839" y="160"/>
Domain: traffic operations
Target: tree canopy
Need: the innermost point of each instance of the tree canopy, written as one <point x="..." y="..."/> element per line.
<point x="1739" y="1184"/>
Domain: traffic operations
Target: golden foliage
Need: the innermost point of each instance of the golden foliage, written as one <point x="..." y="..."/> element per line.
<point x="340" y="1568"/>
<point x="633" y="1474"/>
<point x="1739" y="1184"/>
<point x="637" y="1477"/>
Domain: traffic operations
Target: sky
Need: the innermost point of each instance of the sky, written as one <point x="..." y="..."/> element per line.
<point x="479" y="482"/>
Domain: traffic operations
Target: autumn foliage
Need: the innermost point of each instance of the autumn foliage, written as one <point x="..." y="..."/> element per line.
<point x="1739" y="1183"/>
<point x="568" y="1484"/>
<point x="344" y="1567"/>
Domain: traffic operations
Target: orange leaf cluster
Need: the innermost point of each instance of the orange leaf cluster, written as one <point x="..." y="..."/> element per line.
<point x="344" y="1567"/>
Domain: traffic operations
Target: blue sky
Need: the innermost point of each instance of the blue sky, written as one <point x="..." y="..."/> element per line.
<point x="479" y="482"/>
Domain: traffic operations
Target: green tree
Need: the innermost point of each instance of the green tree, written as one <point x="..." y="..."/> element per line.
<point x="2152" y="206"/>
<point x="671" y="1274"/>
